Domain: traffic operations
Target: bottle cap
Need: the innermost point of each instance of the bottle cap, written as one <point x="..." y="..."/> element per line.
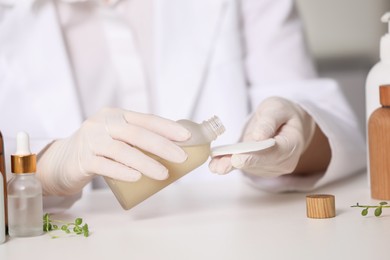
<point x="244" y="147"/>
<point x="320" y="206"/>
<point x="384" y="95"/>
<point x="23" y="161"/>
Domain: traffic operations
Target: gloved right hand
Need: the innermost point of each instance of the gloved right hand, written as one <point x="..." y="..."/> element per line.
<point x="291" y="126"/>
<point x="108" y="144"/>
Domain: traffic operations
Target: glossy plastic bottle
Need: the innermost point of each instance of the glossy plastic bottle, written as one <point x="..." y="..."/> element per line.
<point x="130" y="194"/>
<point x="378" y="75"/>
<point x="379" y="145"/>
<point x="25" y="209"/>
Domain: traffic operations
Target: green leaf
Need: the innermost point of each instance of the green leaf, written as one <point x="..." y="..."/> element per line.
<point x="46" y="217"/>
<point x="383" y="203"/>
<point x="46" y="223"/>
<point x="85" y="227"/>
<point x="78" y="221"/>
<point x="378" y="211"/>
<point x="47" y="227"/>
<point x="75" y="228"/>
<point x="64" y="227"/>
<point x="365" y="212"/>
<point x="86" y="230"/>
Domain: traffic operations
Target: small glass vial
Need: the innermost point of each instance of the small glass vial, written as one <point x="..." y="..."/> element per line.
<point x="25" y="209"/>
<point x="197" y="148"/>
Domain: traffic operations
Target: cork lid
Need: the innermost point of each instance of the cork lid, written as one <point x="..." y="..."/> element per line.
<point x="384" y="95"/>
<point x="320" y="206"/>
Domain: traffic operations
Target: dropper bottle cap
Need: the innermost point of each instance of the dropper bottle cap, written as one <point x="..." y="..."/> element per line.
<point x="385" y="40"/>
<point x="23" y="161"/>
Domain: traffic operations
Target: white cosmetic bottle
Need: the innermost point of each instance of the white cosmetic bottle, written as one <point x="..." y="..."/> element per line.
<point x="129" y="194"/>
<point x="25" y="209"/>
<point x="378" y="75"/>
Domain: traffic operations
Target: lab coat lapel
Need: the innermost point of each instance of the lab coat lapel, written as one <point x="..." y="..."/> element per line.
<point x="186" y="32"/>
<point x="41" y="59"/>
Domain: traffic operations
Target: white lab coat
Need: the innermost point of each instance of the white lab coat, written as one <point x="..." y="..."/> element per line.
<point x="219" y="57"/>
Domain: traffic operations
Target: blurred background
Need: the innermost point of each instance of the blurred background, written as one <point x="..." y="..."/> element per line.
<point x="343" y="37"/>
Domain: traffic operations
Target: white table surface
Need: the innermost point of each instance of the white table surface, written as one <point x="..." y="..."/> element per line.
<point x="220" y="219"/>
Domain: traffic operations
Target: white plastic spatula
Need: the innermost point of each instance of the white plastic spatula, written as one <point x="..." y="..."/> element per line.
<point x="244" y="147"/>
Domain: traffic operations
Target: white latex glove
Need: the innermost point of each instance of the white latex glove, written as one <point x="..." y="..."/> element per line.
<point x="106" y="145"/>
<point x="288" y="123"/>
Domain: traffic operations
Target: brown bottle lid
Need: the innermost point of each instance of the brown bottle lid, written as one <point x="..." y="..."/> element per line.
<point x="384" y="95"/>
<point x="320" y="206"/>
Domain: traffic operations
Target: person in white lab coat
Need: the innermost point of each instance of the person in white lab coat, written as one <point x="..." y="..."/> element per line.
<point x="63" y="62"/>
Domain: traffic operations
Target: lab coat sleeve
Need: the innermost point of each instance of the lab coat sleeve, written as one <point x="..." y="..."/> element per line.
<point x="278" y="64"/>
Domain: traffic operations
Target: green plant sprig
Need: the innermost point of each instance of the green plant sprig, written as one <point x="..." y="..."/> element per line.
<point x="378" y="208"/>
<point x="77" y="227"/>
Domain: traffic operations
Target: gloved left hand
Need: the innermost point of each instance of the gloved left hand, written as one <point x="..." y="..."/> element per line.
<point x="114" y="143"/>
<point x="291" y="126"/>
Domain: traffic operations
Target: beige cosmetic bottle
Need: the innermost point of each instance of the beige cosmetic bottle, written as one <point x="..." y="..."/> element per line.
<point x="197" y="147"/>
<point x="379" y="147"/>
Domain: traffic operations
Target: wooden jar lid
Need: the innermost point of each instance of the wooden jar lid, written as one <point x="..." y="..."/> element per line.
<point x="320" y="206"/>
